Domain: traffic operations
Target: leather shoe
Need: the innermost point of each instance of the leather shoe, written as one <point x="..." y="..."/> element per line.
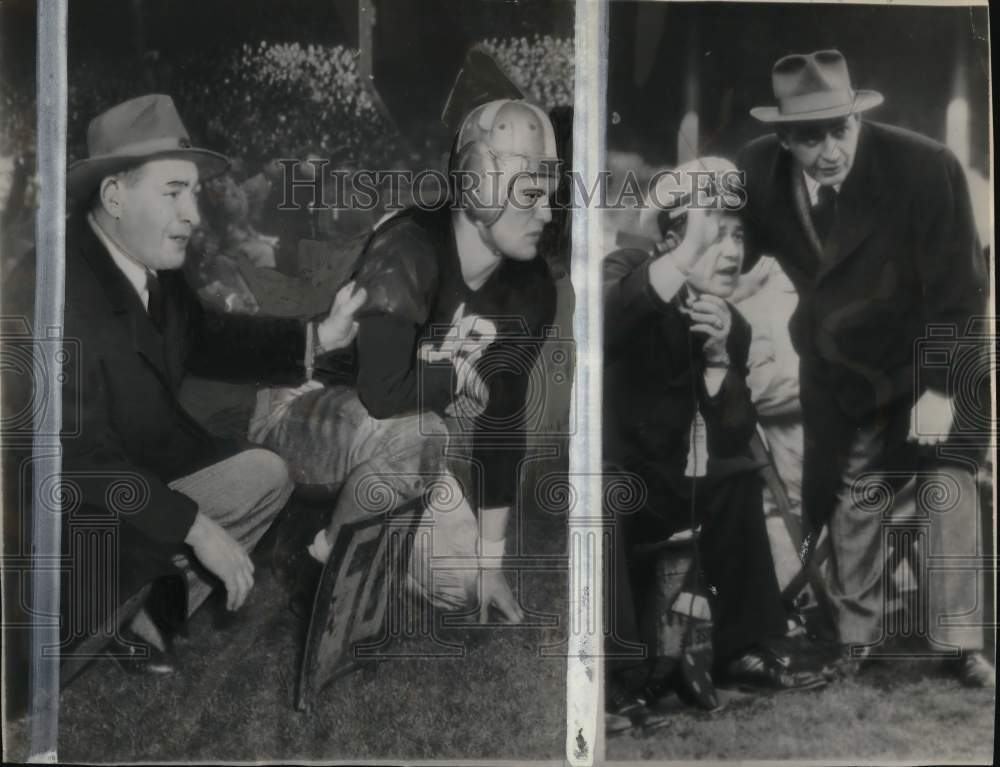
<point x="851" y="661"/>
<point x="140" y="658"/>
<point x="624" y="711"/>
<point x="761" y="669"/>
<point x="974" y="669"/>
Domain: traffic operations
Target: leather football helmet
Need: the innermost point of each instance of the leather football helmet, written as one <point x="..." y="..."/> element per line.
<point x="497" y="142"/>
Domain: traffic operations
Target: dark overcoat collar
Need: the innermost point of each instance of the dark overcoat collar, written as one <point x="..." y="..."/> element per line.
<point x="123" y="301"/>
<point x="860" y="205"/>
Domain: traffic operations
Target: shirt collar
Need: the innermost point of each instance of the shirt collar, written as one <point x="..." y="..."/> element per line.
<point x="134" y="272"/>
<point x="812" y="187"/>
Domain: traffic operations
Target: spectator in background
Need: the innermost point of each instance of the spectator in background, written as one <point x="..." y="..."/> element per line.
<point x="766" y="298"/>
<point x="18" y="199"/>
<point x="229" y="210"/>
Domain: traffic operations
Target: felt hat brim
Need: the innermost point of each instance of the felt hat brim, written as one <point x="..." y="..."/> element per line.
<point x="83" y="176"/>
<point x="863" y="101"/>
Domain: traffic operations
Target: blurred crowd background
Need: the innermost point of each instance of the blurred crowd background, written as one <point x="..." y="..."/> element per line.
<point x="682" y="77"/>
<point x="360" y="84"/>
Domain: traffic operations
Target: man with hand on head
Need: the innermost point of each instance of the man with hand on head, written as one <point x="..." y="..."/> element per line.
<point x="874" y="226"/>
<point x="678" y="417"/>
<point x="192" y="501"/>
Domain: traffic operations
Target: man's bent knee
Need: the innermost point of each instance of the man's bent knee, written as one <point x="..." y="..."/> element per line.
<point x="266" y="471"/>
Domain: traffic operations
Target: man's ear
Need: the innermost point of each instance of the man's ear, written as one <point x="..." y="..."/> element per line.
<point x="110" y="196"/>
<point x="782" y="139"/>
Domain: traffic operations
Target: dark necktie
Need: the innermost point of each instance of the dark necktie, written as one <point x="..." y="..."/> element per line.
<point x="155" y="304"/>
<point x="824" y="212"/>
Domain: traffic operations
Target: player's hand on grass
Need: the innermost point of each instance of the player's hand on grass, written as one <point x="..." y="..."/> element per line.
<point x="496" y="593"/>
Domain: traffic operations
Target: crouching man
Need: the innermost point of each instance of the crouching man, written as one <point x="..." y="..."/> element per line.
<point x="177" y="497"/>
<point x="455" y="296"/>
<point x="678" y="417"/>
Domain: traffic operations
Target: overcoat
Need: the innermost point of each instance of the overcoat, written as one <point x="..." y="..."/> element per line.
<point x="885" y="302"/>
<point x="125" y="436"/>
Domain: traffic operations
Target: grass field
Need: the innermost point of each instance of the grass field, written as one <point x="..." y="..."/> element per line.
<point x="502" y="698"/>
<point x="906" y="711"/>
<point x="233" y="699"/>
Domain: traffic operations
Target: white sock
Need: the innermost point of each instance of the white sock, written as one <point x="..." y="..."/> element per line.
<point x="319" y="549"/>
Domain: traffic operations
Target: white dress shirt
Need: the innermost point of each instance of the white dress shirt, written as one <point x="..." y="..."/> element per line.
<point x="134" y="272"/>
<point x="812" y="186"/>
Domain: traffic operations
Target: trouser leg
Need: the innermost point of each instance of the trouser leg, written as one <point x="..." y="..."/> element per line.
<point x="948" y="498"/>
<point x="630" y="585"/>
<point x="865" y="499"/>
<point x="736" y="558"/>
<point x="329" y="439"/>
<point x="243" y="494"/>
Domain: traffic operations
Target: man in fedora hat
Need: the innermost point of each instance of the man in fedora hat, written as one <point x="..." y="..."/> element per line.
<point x="178" y="497"/>
<point x="679" y="419"/>
<point x="874" y="226"/>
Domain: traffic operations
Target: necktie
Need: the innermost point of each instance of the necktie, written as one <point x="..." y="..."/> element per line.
<point x="824" y="212"/>
<point x="155" y="305"/>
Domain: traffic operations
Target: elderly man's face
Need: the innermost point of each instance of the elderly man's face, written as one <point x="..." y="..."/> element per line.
<point x="825" y="150"/>
<point x="157" y="212"/>
<point x="717" y="271"/>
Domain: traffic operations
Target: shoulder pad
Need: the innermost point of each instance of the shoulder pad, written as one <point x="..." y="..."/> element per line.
<point x="399" y="270"/>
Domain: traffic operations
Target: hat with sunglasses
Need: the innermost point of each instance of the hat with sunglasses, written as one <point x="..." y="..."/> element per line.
<point x="814" y="86"/>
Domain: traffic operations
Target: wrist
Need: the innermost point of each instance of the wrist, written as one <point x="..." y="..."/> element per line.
<point x="317" y="338"/>
<point x="491" y="553"/>
<point x="683" y="257"/>
<point x="718" y="359"/>
<point x="194" y="532"/>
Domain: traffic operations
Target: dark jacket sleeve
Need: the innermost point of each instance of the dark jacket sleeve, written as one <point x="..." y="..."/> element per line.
<point x="391" y="380"/>
<point x="239" y="347"/>
<point x="755" y="242"/>
<point x="730" y="418"/>
<point x="95" y="465"/>
<point x="949" y="257"/>
<point x="630" y="301"/>
<point x="400" y="273"/>
<point x="502" y="430"/>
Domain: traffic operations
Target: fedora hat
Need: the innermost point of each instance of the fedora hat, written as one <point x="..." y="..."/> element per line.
<point x="131" y="133"/>
<point x="814" y="86"/>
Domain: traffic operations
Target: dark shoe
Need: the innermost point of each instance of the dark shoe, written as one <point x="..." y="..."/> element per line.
<point x="659" y="690"/>
<point x="624" y="711"/>
<point x="852" y="661"/>
<point x="761" y="669"/>
<point x="139" y="658"/>
<point x="974" y="669"/>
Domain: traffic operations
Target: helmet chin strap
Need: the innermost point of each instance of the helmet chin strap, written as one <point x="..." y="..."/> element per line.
<point x="486" y="235"/>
